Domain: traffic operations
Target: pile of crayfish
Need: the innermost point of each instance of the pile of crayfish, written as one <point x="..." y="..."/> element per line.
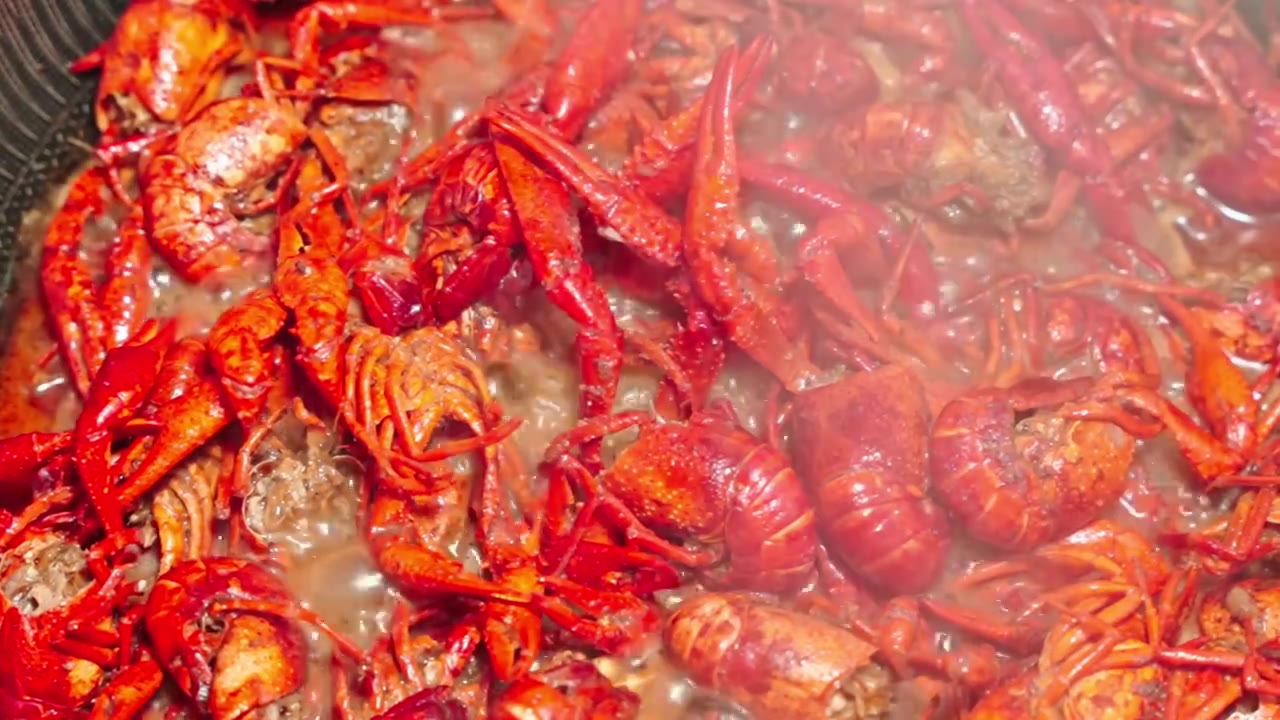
<point x="655" y="358"/>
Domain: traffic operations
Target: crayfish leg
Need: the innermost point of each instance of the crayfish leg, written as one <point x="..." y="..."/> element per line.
<point x="129" y="691"/>
<point x="611" y="621"/>
<point x="420" y="571"/>
<point x="1240" y="541"/>
<point x="67" y="285"/>
<point x="1021" y="637"/>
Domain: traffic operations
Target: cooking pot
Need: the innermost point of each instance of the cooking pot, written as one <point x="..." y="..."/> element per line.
<point x="45" y="119"/>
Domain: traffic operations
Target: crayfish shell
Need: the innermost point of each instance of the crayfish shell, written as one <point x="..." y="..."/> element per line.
<point x="1111" y="694"/>
<point x="860" y="444"/>
<point x="1017" y="483"/>
<point x="777" y="663"/>
<point x="231" y="662"/>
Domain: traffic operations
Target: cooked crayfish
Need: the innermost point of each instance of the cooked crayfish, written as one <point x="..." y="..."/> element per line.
<point x="90" y="319"/>
<point x="814" y="417"/>
<point x="231" y="146"/>
<point x="861" y="444"/>
<point x="776" y="662"/>
<point x="1126" y="566"/>
<point x="58" y="659"/>
<point x="1234" y="79"/>
<point x="1045" y="99"/>
<point x="569" y="690"/>
<point x="1016" y="483"/>
<point x="1236" y="442"/>
<point x="225" y="631"/>
<point x="165" y="61"/>
<point x="1122" y="675"/>
<point x="1236" y="623"/>
<point x="706" y="480"/>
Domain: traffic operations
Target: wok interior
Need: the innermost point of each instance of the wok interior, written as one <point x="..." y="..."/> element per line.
<point x="304" y="501"/>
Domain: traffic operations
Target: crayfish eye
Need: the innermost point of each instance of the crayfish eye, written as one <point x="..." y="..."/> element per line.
<point x="286" y="710"/>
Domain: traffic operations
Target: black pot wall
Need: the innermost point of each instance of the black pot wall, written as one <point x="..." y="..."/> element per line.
<point x="44" y="109"/>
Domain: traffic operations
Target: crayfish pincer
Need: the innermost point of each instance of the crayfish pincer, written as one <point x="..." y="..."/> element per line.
<point x="224" y="630"/>
<point x="706" y="480"/>
<point x="860" y="444"/>
<point x="777" y="663"/>
<point x="1025" y="465"/>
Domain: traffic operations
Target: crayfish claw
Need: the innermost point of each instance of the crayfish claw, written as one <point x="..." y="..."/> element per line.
<point x="746" y="303"/>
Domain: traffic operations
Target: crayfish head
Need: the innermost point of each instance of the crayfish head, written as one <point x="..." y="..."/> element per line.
<point x="163" y="62"/>
<point x="821" y="71"/>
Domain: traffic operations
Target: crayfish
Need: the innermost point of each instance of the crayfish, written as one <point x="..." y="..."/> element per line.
<point x="706" y="480"/>
<point x="226" y="632"/>
<point x="776" y="662"/>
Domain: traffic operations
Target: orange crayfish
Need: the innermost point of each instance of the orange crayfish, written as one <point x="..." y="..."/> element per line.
<point x="165" y="60"/>
<point x="1017" y="484"/>
<point x="224" y="630"/>
<point x="706" y="480"/>
<point x="571" y="689"/>
<point x="776" y="662"/>
<point x="861" y="444"/>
